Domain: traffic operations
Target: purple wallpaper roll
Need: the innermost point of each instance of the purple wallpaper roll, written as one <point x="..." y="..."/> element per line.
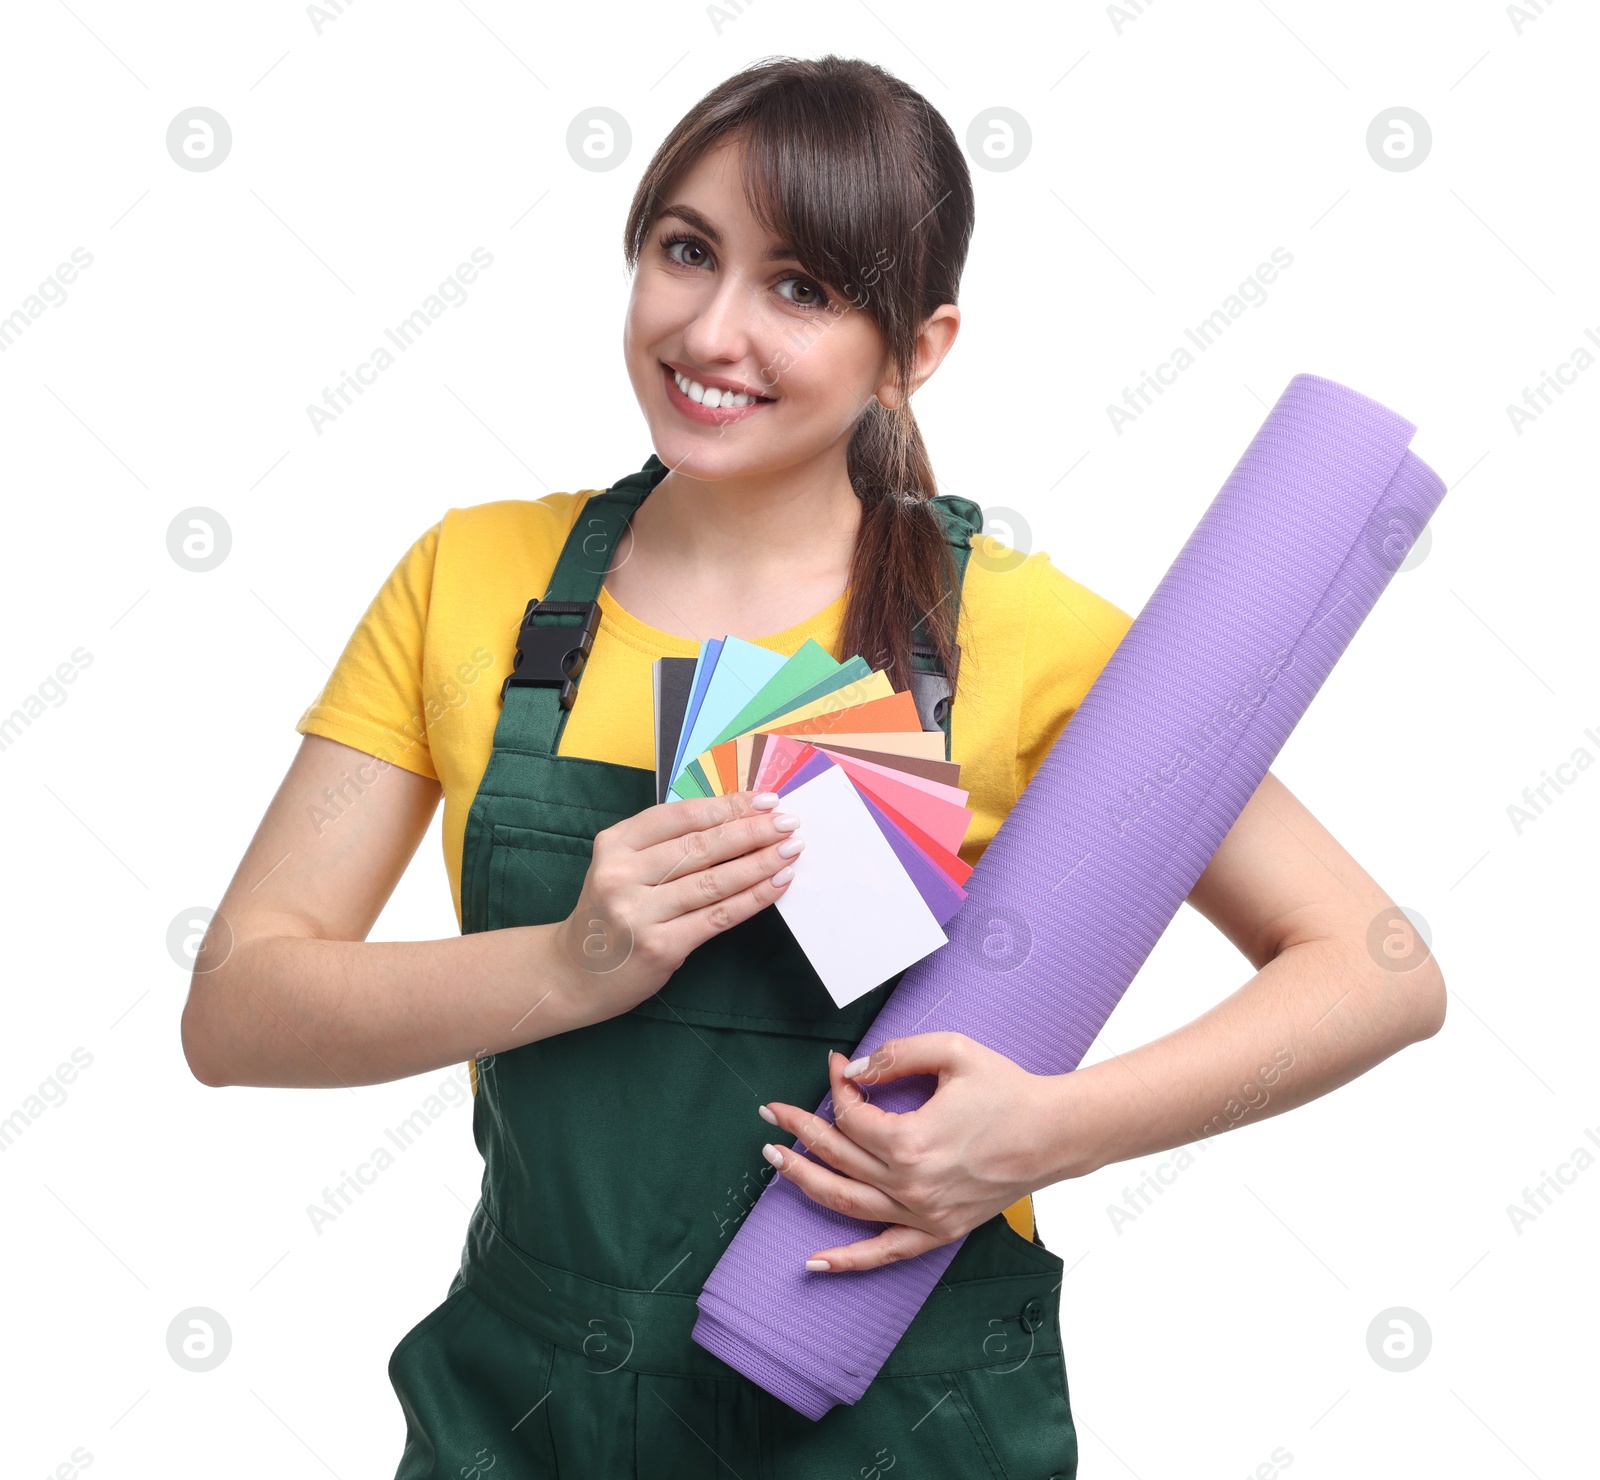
<point x="1103" y="846"/>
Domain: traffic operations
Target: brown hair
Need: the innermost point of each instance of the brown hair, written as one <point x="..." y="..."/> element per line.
<point x="863" y="178"/>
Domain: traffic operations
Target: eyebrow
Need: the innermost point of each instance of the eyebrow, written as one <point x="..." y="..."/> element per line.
<point x="691" y="217"/>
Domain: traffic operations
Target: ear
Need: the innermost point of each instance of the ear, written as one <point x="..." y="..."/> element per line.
<point x="934" y="339"/>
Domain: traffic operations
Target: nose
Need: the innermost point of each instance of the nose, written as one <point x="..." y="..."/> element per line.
<point x="725" y="326"/>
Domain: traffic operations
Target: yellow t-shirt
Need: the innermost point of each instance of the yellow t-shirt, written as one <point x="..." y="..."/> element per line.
<point x="418" y="683"/>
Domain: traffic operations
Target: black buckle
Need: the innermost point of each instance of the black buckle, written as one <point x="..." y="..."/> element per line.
<point x="932" y="690"/>
<point x="552" y="656"/>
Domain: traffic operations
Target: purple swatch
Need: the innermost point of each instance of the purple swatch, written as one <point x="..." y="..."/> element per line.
<point x="816" y="764"/>
<point x="942" y="895"/>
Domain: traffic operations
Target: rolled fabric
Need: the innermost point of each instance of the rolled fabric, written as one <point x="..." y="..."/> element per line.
<point x="1104" y="844"/>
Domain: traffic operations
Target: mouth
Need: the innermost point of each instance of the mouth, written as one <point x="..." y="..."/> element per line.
<point x="712" y="404"/>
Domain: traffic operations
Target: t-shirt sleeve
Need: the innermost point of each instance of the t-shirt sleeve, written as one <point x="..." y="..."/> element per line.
<point x="373" y="699"/>
<point x="1072" y="631"/>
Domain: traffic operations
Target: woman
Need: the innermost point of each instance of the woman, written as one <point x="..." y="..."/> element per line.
<point x="629" y="1002"/>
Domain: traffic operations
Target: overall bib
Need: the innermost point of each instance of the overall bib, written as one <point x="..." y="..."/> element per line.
<point x="620" y="1158"/>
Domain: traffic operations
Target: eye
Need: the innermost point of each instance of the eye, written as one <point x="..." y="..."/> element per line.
<point x="815" y="296"/>
<point x="684" y="239"/>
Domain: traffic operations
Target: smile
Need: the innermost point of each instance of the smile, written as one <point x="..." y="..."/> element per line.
<point x="709" y="403"/>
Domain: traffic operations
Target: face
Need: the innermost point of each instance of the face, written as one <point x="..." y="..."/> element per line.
<point x="722" y="312"/>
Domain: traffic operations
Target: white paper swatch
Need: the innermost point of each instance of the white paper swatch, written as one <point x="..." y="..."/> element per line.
<point x="851" y="905"/>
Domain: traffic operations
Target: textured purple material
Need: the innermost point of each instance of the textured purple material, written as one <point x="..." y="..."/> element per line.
<point x="1093" y="861"/>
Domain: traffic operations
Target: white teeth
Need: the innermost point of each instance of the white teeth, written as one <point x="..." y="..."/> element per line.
<point x="711" y="397"/>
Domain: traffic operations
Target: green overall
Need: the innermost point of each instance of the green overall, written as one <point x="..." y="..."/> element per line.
<point x="620" y="1158"/>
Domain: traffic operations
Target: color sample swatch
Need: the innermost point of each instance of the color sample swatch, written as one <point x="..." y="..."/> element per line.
<point x="880" y="811"/>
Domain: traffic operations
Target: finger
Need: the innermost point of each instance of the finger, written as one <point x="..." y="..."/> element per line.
<point x="689" y="853"/>
<point x="843" y="1194"/>
<point x="847" y="1098"/>
<point x="696" y="926"/>
<point x="720" y="883"/>
<point x="827" y="1139"/>
<point x="669" y="820"/>
<point x="920" y="1053"/>
<point x="877" y="1132"/>
<point x="889" y="1247"/>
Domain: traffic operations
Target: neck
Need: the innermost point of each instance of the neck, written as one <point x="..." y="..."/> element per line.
<point x="744" y="532"/>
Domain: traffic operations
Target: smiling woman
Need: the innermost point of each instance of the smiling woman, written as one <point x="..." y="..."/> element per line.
<point x="636" y="1016"/>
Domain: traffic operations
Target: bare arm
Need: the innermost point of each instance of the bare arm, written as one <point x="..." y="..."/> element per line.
<point x="288" y="991"/>
<point x="1321" y="1008"/>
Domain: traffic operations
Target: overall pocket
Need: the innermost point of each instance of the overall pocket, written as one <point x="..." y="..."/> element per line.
<point x="1010" y="1375"/>
<point x="919" y="1426"/>
<point x="1022" y="1409"/>
<point x="472" y="1385"/>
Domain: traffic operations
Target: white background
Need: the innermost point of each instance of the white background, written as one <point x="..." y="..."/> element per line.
<point x="1171" y="153"/>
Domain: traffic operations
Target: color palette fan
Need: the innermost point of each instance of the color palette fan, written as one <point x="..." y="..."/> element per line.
<point x="881" y="810"/>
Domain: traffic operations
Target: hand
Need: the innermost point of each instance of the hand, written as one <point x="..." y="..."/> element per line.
<point x="668" y="878"/>
<point x="933" y="1174"/>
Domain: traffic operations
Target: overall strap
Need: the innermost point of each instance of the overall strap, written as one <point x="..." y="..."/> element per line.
<point x="932" y="689"/>
<point x="558" y="628"/>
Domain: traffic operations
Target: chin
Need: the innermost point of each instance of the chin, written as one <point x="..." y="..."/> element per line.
<point x="703" y="458"/>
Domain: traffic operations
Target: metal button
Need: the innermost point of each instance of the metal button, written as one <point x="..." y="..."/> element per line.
<point x="1032" y="1316"/>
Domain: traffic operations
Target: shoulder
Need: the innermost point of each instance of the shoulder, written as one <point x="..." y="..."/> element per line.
<point x="507" y="543"/>
<point x="1025" y="599"/>
<point x="518" y="524"/>
<point x="1037" y="639"/>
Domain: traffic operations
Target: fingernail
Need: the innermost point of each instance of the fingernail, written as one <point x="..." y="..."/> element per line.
<point x="818" y="1264"/>
<point x="773" y="1155"/>
<point x="764" y="801"/>
<point x="855" y="1066"/>
<point x="783" y="876"/>
<point x="766" y="1115"/>
<point x="786" y="822"/>
<point x="790" y="846"/>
